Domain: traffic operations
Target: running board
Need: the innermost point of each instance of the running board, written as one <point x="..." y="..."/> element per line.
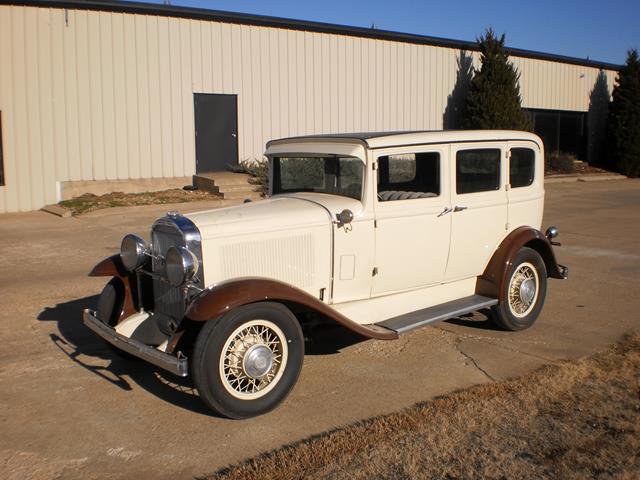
<point x="419" y="318"/>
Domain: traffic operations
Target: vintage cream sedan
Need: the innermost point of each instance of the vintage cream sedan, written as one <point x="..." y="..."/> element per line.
<point x="380" y="233"/>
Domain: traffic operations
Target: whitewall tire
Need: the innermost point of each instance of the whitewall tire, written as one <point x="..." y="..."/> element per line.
<point x="246" y="362"/>
<point x="524" y="292"/>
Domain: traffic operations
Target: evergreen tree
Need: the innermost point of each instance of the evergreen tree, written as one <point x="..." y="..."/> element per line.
<point x="623" y="133"/>
<point x="494" y="95"/>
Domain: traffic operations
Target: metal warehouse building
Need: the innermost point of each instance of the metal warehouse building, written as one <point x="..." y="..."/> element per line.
<point x="103" y="93"/>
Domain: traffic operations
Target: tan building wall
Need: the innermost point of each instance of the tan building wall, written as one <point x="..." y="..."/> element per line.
<point x="88" y="95"/>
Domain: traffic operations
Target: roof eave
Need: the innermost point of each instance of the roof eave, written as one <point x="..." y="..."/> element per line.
<point x="292" y="24"/>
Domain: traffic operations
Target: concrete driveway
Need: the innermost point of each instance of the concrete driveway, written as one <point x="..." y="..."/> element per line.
<point x="72" y="409"/>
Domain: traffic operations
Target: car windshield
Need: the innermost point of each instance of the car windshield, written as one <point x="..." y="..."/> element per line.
<point x="337" y="175"/>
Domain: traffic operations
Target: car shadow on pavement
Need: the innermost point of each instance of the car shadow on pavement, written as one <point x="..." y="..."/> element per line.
<point x="480" y="320"/>
<point x="89" y="351"/>
<point x="330" y="338"/>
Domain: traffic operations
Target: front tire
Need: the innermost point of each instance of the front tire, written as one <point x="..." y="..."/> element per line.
<point x="108" y="311"/>
<point x="524" y="292"/>
<point x="246" y="362"/>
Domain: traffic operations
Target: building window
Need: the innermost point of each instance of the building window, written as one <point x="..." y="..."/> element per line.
<point x="408" y="176"/>
<point x="478" y="170"/>
<point x="521" y="167"/>
<point x="1" y="157"/>
<point x="561" y="131"/>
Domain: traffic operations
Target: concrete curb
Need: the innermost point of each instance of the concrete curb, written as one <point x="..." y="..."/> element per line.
<point x="57" y="210"/>
<point x="594" y="177"/>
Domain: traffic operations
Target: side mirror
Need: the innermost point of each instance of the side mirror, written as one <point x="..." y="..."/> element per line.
<point x="345" y="217"/>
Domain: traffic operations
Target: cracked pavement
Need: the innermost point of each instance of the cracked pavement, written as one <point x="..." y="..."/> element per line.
<point x="70" y="408"/>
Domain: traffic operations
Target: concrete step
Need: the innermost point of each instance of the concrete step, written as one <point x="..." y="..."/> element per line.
<point x="242" y="195"/>
<point x="224" y="178"/>
<point x="231" y="186"/>
<point x="204" y="183"/>
<point x="238" y="188"/>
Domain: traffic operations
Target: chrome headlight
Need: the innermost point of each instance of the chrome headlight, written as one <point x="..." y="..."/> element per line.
<point x="180" y="265"/>
<point x="133" y="252"/>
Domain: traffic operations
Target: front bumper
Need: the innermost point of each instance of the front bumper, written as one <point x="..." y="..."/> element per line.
<point x="171" y="363"/>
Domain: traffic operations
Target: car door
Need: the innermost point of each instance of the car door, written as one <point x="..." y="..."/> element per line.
<point x="412" y="228"/>
<point x="479" y="201"/>
<point x="353" y="241"/>
<point x="525" y="190"/>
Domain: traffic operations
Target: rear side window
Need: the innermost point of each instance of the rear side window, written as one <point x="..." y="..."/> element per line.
<point x="521" y="167"/>
<point x="478" y="170"/>
<point x="408" y="176"/>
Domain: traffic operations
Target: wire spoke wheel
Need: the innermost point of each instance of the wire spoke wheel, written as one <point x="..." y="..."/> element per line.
<point x="253" y="359"/>
<point x="523" y="290"/>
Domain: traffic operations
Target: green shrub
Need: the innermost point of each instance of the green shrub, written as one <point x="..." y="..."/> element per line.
<point x="258" y="172"/>
<point x="494" y="101"/>
<point x="623" y="134"/>
<point x="559" y="162"/>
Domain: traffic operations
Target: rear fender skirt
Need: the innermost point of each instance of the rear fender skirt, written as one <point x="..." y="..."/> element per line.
<point x="112" y="267"/>
<point x="224" y="297"/>
<point x="493" y="279"/>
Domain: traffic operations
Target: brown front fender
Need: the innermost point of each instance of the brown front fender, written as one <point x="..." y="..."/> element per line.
<point x="216" y="301"/>
<point x="109" y="267"/>
<point x="495" y="275"/>
<point x="112" y="267"/>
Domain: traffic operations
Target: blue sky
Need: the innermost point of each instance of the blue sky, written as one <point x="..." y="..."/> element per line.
<point x="601" y="30"/>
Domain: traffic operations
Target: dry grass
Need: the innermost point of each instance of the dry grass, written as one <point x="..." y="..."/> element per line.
<point x="89" y="202"/>
<point x="572" y="421"/>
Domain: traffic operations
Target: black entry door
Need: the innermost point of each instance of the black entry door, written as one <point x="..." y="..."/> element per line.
<point x="216" y="131"/>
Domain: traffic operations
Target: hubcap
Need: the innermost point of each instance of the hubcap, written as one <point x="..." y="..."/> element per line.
<point x="527" y="290"/>
<point x="253" y="359"/>
<point x="523" y="290"/>
<point x="257" y="361"/>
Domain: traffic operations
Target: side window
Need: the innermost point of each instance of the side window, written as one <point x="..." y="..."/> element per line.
<point x="478" y="170"/>
<point x="521" y="167"/>
<point x="402" y="168"/>
<point x="408" y="176"/>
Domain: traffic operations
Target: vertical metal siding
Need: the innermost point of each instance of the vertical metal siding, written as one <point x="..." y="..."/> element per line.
<point x="101" y="95"/>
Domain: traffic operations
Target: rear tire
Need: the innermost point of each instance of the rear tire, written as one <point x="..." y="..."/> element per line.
<point x="246" y="362"/>
<point x="524" y="292"/>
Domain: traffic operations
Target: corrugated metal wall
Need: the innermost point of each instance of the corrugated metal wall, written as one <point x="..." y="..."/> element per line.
<point x="89" y="95"/>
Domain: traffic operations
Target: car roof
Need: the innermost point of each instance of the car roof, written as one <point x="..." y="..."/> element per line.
<point x="418" y="137"/>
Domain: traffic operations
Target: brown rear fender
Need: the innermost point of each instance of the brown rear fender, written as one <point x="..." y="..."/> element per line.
<point x="495" y="275"/>
<point x="224" y="297"/>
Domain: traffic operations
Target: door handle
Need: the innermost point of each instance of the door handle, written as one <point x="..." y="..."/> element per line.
<point x="458" y="208"/>
<point x="445" y="211"/>
<point x="234" y="135"/>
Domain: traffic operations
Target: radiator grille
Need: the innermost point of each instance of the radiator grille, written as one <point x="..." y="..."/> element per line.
<point x="167" y="300"/>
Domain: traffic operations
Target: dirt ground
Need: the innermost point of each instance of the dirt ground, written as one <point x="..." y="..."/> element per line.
<point x="70" y="409"/>
<point x="576" y="420"/>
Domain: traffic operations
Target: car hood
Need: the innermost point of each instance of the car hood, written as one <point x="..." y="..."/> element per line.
<point x="276" y="213"/>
